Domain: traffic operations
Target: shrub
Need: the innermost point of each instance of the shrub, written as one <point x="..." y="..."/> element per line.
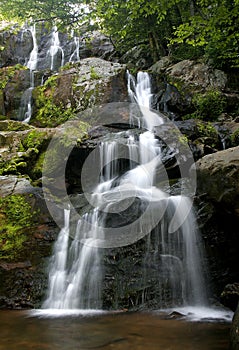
<point x="210" y="105"/>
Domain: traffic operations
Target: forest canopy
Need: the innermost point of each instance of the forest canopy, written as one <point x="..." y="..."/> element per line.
<point x="181" y="28"/>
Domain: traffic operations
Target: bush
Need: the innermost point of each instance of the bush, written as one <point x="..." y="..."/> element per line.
<point x="209" y="106"/>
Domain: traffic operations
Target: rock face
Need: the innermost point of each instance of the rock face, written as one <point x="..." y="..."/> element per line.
<point x="18" y="44"/>
<point x="175" y="85"/>
<point x="75" y="88"/>
<point x="218" y="177"/>
<point x="234" y="335"/>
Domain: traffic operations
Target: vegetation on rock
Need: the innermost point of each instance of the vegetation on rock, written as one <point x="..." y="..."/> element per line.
<point x="16" y="217"/>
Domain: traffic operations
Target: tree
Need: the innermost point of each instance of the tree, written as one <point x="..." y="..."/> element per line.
<point x="54" y="11"/>
<point x="214" y="27"/>
<point x="209" y="27"/>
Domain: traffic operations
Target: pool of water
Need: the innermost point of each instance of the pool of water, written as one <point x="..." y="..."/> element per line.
<point x="23" y="330"/>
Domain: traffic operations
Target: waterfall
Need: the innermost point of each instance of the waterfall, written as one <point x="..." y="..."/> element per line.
<point x="75" y="56"/>
<point x="25" y="111"/>
<point x="55" y="50"/>
<point x="173" y="244"/>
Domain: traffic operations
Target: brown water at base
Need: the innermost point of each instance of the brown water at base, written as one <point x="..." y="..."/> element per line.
<point x="122" y="331"/>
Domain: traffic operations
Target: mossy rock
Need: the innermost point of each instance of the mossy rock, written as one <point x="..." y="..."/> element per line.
<point x="13" y="125"/>
<point x="16" y="217"/>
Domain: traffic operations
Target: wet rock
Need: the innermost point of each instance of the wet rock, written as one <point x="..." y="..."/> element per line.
<point x="230" y="296"/>
<point x="234" y="334"/>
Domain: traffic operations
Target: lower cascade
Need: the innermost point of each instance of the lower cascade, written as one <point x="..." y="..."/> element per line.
<point x="171" y="239"/>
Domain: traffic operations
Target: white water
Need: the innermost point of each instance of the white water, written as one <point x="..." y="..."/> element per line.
<point x="32" y="62"/>
<point x="75" y="56"/>
<point x="75" y="279"/>
<point x="55" y="49"/>
<point x="25" y="111"/>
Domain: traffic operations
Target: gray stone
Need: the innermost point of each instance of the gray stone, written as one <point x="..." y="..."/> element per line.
<point x="218" y="177"/>
<point x="197" y="75"/>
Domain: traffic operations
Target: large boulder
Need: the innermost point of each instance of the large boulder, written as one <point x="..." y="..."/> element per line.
<point x="91" y="82"/>
<point x="218" y="177"/>
<point x="218" y="214"/>
<point x="197" y="75"/>
<point x="177" y="86"/>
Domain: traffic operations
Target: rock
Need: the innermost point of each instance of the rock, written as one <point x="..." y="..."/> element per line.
<point x="196" y="75"/>
<point x="230" y="296"/>
<point x="13" y="185"/>
<point x="234" y="334"/>
<point x="83" y="85"/>
<point x="137" y="57"/>
<point x="218" y="177"/>
<point x="99" y="45"/>
<point x="160" y="66"/>
<point x="14" y="125"/>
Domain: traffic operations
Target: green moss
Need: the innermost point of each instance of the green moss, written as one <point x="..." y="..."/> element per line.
<point x="93" y="74"/>
<point x="206" y="130"/>
<point x="209" y="106"/>
<point x="34" y="139"/>
<point x="235" y="138"/>
<point x="15" y="217"/>
<point x="6" y="73"/>
<point x="36" y="171"/>
<point x="48" y="112"/>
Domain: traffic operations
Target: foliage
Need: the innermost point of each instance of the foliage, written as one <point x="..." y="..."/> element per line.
<point x="209" y="105"/>
<point x="35" y="139"/>
<point x="60" y="11"/>
<point x="235" y="138"/>
<point x="206" y="130"/>
<point x="181" y="28"/>
<point x="15" y="217"/>
<point x="214" y="26"/>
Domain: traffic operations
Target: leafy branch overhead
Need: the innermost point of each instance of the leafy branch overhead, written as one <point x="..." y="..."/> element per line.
<point x="181" y="28"/>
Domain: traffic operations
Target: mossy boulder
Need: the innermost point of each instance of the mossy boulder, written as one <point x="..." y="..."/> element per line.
<point x="26" y="235"/>
<point x="14" y="80"/>
<point x="76" y="87"/>
<point x="22" y="150"/>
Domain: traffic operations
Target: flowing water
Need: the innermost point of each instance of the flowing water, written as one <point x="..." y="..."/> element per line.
<point x="76" y="269"/>
<point x="25" y="111"/>
<point x="56" y="52"/>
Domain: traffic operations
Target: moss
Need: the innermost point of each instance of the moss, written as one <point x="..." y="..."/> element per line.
<point x="235" y="138"/>
<point x="36" y="171"/>
<point x="35" y="139"/>
<point x="15" y="217"/>
<point x="28" y="159"/>
<point x="13" y="125"/>
<point x="93" y="74"/>
<point x="206" y="130"/>
<point x="49" y="113"/>
<point x="6" y="73"/>
<point x="209" y="106"/>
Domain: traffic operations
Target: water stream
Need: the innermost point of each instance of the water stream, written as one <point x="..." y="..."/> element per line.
<point x="25" y="111"/>
<point x="56" y="52"/>
<point x="76" y="268"/>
